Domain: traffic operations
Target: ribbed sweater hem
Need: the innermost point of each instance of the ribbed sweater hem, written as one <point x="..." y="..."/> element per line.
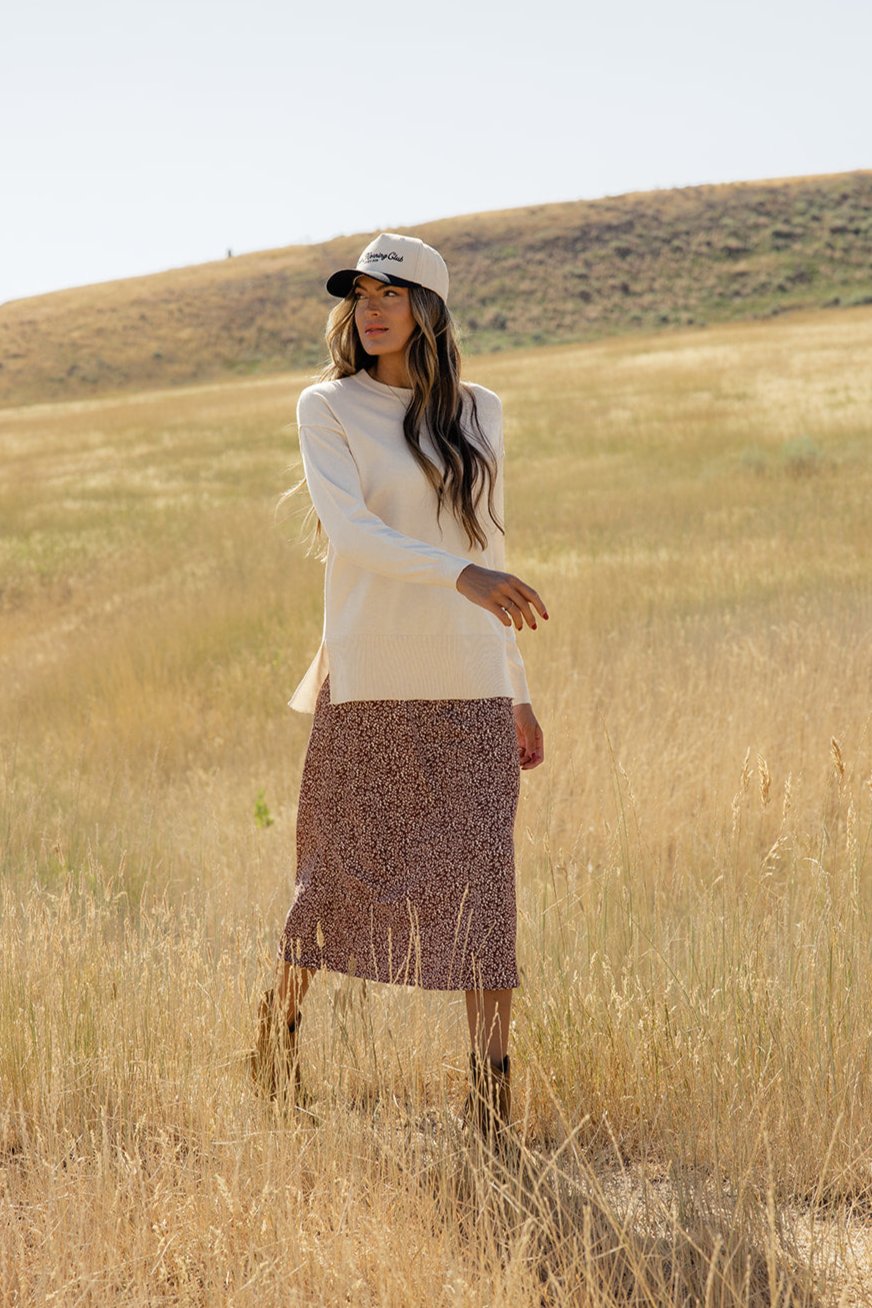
<point x="406" y="667"/>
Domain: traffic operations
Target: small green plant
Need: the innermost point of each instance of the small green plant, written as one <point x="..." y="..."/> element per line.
<point x="802" y="457"/>
<point x="262" y="815"/>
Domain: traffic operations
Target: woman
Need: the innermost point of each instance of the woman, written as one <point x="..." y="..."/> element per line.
<point x="422" y="716"/>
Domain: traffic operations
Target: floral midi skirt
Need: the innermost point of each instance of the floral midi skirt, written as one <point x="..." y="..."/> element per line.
<point x="405" y="843"/>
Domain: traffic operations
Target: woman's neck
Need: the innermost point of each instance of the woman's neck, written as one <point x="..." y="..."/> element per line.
<point x="390" y="373"/>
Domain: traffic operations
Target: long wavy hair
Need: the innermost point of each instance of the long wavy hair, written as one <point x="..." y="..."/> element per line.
<point x="432" y="356"/>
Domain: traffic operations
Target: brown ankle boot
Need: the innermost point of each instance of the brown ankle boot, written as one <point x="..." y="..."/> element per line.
<point x="275" y="1061"/>
<point x="488" y="1104"/>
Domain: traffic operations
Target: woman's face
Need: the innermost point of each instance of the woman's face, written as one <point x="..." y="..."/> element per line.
<point x="382" y="315"/>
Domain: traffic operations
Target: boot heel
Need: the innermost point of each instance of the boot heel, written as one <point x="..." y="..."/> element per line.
<point x="275" y="1061"/>
<point x="488" y="1104"/>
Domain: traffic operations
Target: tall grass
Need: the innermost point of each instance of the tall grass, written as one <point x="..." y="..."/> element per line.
<point x="691" y="1037"/>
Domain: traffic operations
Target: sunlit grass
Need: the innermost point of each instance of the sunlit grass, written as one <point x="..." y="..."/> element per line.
<point x="691" y="1038"/>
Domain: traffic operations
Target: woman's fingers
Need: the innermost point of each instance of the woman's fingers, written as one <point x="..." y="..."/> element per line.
<point x="531" y="747"/>
<point x="513" y="614"/>
<point x="504" y="594"/>
<point x="518" y="604"/>
<point x="524" y="596"/>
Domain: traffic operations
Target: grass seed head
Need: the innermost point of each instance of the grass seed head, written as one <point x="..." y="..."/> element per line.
<point x="838" y="761"/>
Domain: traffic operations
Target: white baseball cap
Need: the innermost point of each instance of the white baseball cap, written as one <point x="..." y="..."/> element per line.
<point x="397" y="260"/>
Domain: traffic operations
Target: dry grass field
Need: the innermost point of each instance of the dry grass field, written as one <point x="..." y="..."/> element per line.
<point x="691" y="1042"/>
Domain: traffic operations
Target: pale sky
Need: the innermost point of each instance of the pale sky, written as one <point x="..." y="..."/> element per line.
<point x="145" y="135"/>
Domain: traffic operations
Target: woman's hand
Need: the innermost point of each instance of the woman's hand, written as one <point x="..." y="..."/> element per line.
<point x="501" y="593"/>
<point x="510" y="599"/>
<point x="531" y="747"/>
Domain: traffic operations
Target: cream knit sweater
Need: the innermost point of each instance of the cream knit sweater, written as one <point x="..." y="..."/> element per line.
<point x="395" y="626"/>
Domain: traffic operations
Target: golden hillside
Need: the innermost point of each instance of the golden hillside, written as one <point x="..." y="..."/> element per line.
<point x="542" y="274"/>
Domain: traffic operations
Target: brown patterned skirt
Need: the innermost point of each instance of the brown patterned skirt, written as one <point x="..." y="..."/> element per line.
<point x="405" y="843"/>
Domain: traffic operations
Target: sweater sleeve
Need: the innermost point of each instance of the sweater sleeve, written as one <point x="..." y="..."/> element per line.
<point x="521" y="691"/>
<point x="337" y="495"/>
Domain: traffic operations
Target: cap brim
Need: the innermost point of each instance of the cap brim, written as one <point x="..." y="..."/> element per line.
<point x="341" y="282"/>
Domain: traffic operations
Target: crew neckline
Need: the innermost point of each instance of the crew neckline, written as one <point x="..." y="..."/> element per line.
<point x="363" y="376"/>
